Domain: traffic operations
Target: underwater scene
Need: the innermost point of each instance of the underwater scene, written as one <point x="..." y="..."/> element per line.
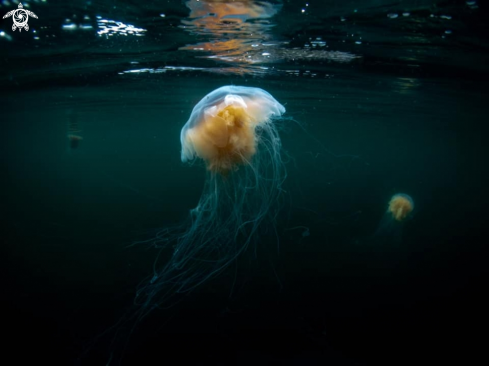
<point x="244" y="182"/>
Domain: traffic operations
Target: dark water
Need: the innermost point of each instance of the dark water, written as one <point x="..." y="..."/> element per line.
<point x="382" y="97"/>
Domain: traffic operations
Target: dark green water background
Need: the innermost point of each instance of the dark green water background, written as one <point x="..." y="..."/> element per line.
<point x="357" y="133"/>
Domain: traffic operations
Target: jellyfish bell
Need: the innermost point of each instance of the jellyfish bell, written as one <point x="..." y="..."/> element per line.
<point x="74" y="140"/>
<point x="399" y="211"/>
<point x="222" y="127"/>
<point x="74" y="131"/>
<point x="400" y="207"/>
<point x="233" y="130"/>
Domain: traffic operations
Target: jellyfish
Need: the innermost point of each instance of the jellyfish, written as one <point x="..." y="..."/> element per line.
<point x="234" y="131"/>
<point x="399" y="210"/>
<point x="74" y="132"/>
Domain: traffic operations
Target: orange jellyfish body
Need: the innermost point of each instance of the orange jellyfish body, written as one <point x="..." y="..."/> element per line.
<point x="400" y="206"/>
<point x="399" y="210"/>
<point x="221" y="129"/>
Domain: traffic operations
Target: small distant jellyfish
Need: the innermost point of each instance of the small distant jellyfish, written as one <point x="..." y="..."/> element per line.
<point x="233" y="130"/>
<point x="400" y="207"/>
<point x="74" y="132"/>
<point x="74" y="141"/>
<point x="399" y="210"/>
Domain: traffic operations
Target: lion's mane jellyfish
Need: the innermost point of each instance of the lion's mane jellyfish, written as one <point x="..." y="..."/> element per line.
<point x="233" y="131"/>
<point x="74" y="132"/>
<point x="400" y="207"/>
<point x="399" y="210"/>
